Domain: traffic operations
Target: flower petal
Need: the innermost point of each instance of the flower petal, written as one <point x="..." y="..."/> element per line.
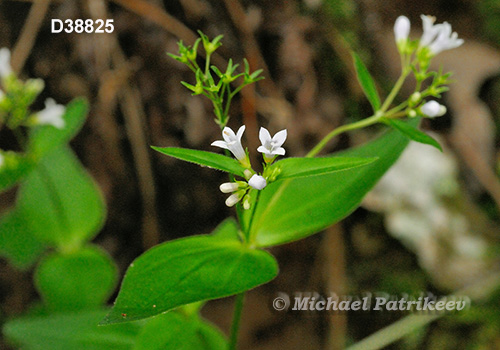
<point x="264" y="136"/>
<point x="279" y="151"/>
<point x="220" y="144"/>
<point x="240" y="132"/>
<point x="280" y="138"/>
<point x="228" y="134"/>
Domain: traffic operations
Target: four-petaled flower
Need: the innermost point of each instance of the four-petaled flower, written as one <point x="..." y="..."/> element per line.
<point x="433" y="109"/>
<point x="5" y="68"/>
<point x="271" y="147"/>
<point x="232" y="142"/>
<point x="438" y="37"/>
<point x="51" y="115"/>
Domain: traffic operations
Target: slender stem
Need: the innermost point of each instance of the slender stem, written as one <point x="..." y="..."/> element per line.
<point x="357" y="125"/>
<point x="395" y="90"/>
<point x="250" y="221"/>
<point x="238" y="308"/>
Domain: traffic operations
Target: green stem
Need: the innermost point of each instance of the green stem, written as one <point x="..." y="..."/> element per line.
<point x="357" y="125"/>
<point x="250" y="221"/>
<point x="238" y="308"/>
<point x="395" y="90"/>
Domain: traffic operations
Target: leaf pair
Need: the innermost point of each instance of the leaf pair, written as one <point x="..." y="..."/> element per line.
<point x="289" y="167"/>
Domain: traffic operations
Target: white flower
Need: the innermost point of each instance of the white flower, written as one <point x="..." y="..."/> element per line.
<point x="5" y="68"/>
<point x="232" y="142"/>
<point x="52" y="114"/>
<point x="229" y="187"/>
<point x="258" y="182"/>
<point x="2" y="160"/>
<point x="438" y="37"/>
<point x="271" y="146"/>
<point x="445" y="40"/>
<point x="433" y="109"/>
<point x="401" y="30"/>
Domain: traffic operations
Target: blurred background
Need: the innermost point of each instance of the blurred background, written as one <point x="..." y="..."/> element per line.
<point x="431" y="225"/>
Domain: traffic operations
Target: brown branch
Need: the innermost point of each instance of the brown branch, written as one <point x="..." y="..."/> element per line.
<point x="134" y="115"/>
<point x="159" y="16"/>
<point x="334" y="269"/>
<point x="28" y="35"/>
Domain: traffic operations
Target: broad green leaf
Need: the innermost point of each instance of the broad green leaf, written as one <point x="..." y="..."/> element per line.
<point x="46" y="138"/>
<point x="303" y="167"/>
<point x="203" y="158"/>
<point x="177" y="331"/>
<point x="366" y="82"/>
<point x="17" y="242"/>
<point x="75" y="281"/>
<point x="75" y="331"/>
<point x="190" y="269"/>
<point x="413" y="133"/>
<point x="294" y="209"/>
<point x="60" y="202"/>
<point x="15" y="167"/>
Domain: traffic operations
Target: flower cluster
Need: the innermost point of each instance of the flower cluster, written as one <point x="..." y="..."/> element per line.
<point x="435" y="39"/>
<point x="270" y="148"/>
<point x="16" y="94"/>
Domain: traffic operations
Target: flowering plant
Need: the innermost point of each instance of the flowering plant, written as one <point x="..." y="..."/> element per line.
<point x="290" y="198"/>
<point x="284" y="200"/>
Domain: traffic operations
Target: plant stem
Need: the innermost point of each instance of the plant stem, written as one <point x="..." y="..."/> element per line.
<point x="238" y="308"/>
<point x="357" y="125"/>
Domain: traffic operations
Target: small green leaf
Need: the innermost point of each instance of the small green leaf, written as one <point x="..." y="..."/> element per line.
<point x="59" y="201"/>
<point x="75" y="331"/>
<point x="75" y="281"/>
<point x="190" y="269"/>
<point x="413" y="133"/>
<point x="15" y="167"/>
<point x="303" y="167"/>
<point x="366" y="82"/>
<point x="17" y="243"/>
<point x="46" y="138"/>
<point x="162" y="333"/>
<point x="203" y="158"/>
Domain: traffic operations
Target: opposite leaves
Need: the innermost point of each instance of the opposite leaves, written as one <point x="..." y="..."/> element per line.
<point x="190" y="269"/>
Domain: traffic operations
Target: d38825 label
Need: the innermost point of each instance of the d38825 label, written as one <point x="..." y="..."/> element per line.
<point x="99" y="26"/>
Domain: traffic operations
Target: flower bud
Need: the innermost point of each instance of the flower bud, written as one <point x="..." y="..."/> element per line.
<point x="258" y="182"/>
<point x="401" y="31"/>
<point x="229" y="187"/>
<point x="433" y="109"/>
<point x="232" y="199"/>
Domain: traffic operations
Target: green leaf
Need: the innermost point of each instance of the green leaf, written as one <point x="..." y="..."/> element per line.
<point x="413" y="133"/>
<point x="17" y="242"/>
<point x="190" y="269"/>
<point x="75" y="281"/>
<point x="294" y="209"/>
<point x="46" y="138"/>
<point x="59" y="201"/>
<point x="302" y="167"/>
<point x="203" y="158"/>
<point x="15" y="167"/>
<point x="75" y="331"/>
<point x="162" y="333"/>
<point x="366" y="82"/>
